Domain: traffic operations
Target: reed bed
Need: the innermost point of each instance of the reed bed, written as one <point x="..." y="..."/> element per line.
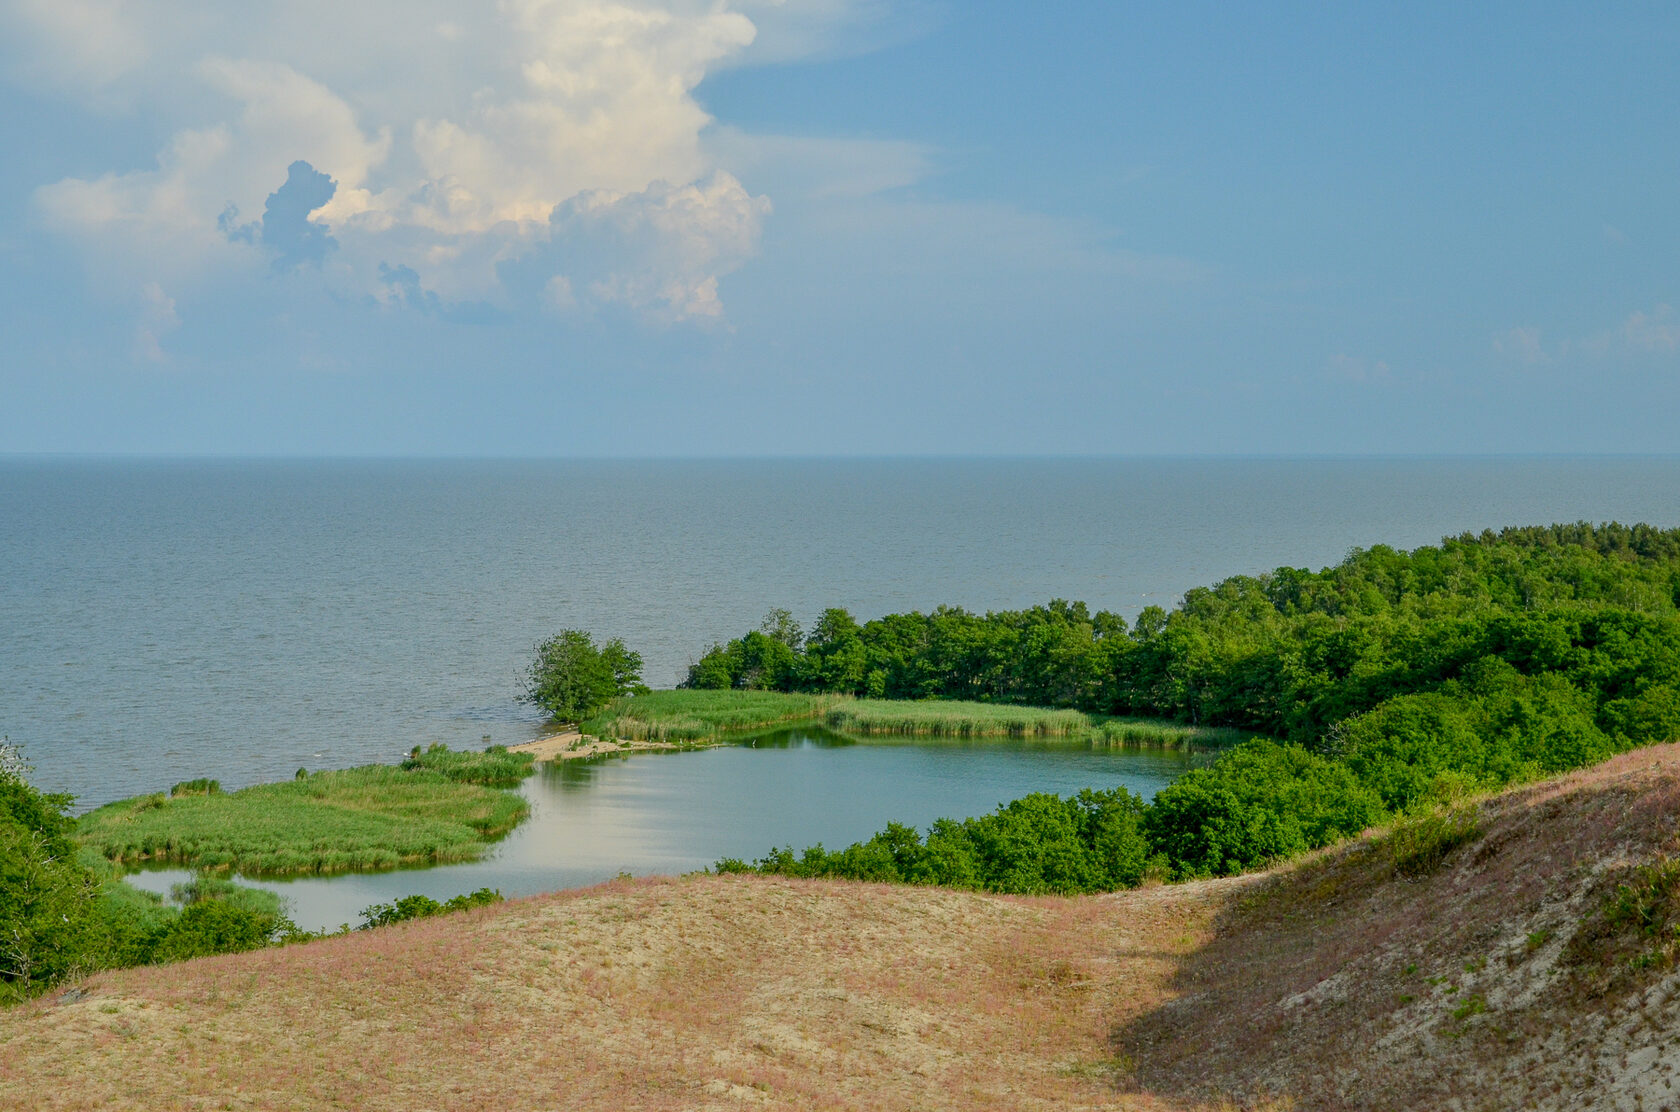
<point x="1158" y="733"/>
<point x="696" y="717"/>
<point x="494" y="767"/>
<point x="354" y="820"/>
<point x="954" y="719"/>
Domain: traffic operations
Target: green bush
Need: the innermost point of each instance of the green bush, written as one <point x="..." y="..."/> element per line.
<point x="1259" y="803"/>
<point x="46" y="894"/>
<point x="1038" y="844"/>
<point x="424" y="907"/>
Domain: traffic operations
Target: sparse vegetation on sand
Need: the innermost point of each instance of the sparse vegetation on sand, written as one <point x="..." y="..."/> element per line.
<point x="358" y="819"/>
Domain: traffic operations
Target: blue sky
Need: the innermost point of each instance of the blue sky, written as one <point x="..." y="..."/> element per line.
<point x="616" y="227"/>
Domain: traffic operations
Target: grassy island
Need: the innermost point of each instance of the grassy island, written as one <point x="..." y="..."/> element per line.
<point x="436" y="808"/>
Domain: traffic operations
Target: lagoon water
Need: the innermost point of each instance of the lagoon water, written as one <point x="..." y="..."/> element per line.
<point x="669" y="813"/>
<point x="240" y="619"/>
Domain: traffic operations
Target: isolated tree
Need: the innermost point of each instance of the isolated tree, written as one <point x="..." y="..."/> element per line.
<point x="571" y="678"/>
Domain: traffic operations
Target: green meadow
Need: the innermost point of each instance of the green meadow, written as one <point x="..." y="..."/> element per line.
<point x="699" y="717"/>
<point x="357" y="819"/>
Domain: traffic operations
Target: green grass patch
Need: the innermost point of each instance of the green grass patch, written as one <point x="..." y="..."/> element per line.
<point x="354" y="820"/>
<point x="695" y="717"/>
<point x="494" y="767"/>
<point x="1160" y="733"/>
<point x="940" y="718"/>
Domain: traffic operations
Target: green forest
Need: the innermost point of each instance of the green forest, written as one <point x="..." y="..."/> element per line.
<point x="1394" y="681"/>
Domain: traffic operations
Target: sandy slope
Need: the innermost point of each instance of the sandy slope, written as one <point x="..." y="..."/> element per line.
<point x="1327" y="985"/>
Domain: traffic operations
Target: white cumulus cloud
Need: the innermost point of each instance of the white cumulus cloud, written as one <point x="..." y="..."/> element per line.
<point x="463" y="141"/>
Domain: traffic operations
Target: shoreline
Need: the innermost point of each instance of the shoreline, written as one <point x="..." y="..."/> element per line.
<point x="565" y="746"/>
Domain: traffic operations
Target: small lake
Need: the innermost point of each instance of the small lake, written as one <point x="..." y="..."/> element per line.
<point x="675" y="812"/>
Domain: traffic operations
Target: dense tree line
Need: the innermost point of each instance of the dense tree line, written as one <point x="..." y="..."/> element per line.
<point x="1392" y="679"/>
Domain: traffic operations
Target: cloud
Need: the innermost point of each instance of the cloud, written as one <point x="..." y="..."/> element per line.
<point x="157" y="319"/>
<point x="458" y="137"/>
<point x="1640" y="336"/>
<point x="823" y="167"/>
<point x="1523" y="345"/>
<point x="286" y="227"/>
<point x="659" y="250"/>
<point x="1350" y="368"/>
<point x="1653" y="333"/>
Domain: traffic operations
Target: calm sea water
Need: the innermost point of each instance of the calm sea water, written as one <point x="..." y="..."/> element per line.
<point x="239" y="619"/>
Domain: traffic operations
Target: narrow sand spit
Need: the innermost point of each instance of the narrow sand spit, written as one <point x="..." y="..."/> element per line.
<point x="570" y="746"/>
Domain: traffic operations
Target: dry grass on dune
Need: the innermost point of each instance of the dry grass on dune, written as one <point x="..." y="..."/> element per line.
<point x="1339" y="984"/>
<point x="1351" y="980"/>
<point x="696" y="993"/>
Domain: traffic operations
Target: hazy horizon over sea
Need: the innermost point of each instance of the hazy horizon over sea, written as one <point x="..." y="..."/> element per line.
<point x="241" y="618"/>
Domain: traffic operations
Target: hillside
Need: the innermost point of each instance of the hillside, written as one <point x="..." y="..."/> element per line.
<point x="1489" y="982"/>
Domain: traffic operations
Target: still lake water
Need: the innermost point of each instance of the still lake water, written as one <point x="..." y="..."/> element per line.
<point x="164" y="620"/>
<point x="665" y="813"/>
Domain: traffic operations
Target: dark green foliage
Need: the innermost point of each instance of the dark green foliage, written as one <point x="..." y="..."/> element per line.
<point x="1409" y="676"/>
<point x="495" y="767"/>
<point x="46" y="894"/>
<point x="571" y="678"/>
<point x="218" y="917"/>
<point x="1090" y="842"/>
<point x="64" y="914"/>
<point x="1260" y="803"/>
<point x="200" y="786"/>
<point x="424" y="907"/>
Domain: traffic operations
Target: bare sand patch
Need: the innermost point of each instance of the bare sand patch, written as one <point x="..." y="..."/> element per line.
<point x="571" y="745"/>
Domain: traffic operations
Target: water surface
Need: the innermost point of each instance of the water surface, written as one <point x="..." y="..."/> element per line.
<point x="674" y="812"/>
<point x="165" y="620"/>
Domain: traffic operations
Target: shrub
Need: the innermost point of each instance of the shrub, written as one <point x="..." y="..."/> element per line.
<point x="1420" y="845"/>
<point x="1261" y="802"/>
<point x="424" y="907"/>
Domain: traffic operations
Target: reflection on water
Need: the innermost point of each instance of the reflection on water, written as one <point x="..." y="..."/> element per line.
<point x="674" y="812"/>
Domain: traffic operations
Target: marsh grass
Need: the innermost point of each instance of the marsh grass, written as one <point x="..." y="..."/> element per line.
<point x="1160" y="733"/>
<point x="953" y="719"/>
<point x="494" y="767"/>
<point x="949" y="718"/>
<point x="695" y="717"/>
<point x="688" y="717"/>
<point x="358" y="819"/>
